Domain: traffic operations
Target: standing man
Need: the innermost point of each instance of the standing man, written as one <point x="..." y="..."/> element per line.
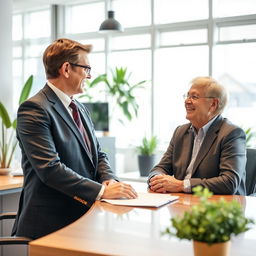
<point x="65" y="170"/>
<point x="209" y="151"/>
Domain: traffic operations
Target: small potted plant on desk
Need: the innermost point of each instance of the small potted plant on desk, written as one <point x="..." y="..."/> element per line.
<point x="146" y="157"/>
<point x="210" y="224"/>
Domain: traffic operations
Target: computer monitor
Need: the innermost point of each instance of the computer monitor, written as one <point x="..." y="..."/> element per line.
<point x="99" y="115"/>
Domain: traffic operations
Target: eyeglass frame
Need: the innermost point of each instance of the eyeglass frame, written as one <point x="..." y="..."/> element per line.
<point x="195" y="98"/>
<point x="87" y="68"/>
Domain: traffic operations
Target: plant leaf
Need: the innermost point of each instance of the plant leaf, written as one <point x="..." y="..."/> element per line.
<point x="26" y="89"/>
<point x="5" y="116"/>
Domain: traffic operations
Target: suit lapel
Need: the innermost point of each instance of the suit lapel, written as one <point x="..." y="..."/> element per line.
<point x="62" y="111"/>
<point x="210" y="137"/>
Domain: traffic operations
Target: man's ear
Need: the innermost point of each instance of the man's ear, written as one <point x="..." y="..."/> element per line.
<point x="215" y="104"/>
<point x="65" y="69"/>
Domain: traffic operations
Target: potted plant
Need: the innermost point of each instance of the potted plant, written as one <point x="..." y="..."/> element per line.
<point x="119" y="89"/>
<point x="8" y="141"/>
<point x="146" y="157"/>
<point x="210" y="224"/>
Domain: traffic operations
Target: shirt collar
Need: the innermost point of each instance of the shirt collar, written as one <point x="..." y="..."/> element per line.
<point x="65" y="99"/>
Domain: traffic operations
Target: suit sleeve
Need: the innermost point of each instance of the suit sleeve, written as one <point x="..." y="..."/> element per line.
<point x="231" y="165"/>
<point x="34" y="133"/>
<point x="165" y="164"/>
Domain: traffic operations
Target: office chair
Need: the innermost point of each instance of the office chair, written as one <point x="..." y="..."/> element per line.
<point x="6" y="240"/>
<point x="251" y="171"/>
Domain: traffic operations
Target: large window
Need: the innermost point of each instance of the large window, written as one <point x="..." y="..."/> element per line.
<point x="167" y="43"/>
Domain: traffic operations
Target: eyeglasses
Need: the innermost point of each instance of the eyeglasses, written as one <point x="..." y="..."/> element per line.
<point x="87" y="68"/>
<point x="194" y="97"/>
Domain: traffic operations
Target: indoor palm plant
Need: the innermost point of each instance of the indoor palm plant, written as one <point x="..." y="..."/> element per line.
<point x="146" y="157"/>
<point x="210" y="224"/>
<point x="119" y="90"/>
<point x="8" y="141"/>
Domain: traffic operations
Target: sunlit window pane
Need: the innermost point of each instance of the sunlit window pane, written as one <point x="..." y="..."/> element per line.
<point x="237" y="33"/>
<point x="17" y="51"/>
<point x="132" y="13"/>
<point x="167" y="11"/>
<point x="174" y="69"/>
<point x="17" y="27"/>
<point x="183" y="37"/>
<point x="34" y="66"/>
<point x="17" y="68"/>
<point x="37" y="24"/>
<point x="98" y="44"/>
<point x="35" y="50"/>
<point x="131" y="42"/>
<point x="138" y="63"/>
<point x="227" y="8"/>
<point x="234" y="66"/>
<point x="84" y="18"/>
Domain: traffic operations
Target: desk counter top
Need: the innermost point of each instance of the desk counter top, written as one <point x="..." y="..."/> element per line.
<point x="10" y="182"/>
<point x="117" y="230"/>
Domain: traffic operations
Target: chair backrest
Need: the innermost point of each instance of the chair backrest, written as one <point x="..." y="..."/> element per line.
<point x="251" y="171"/>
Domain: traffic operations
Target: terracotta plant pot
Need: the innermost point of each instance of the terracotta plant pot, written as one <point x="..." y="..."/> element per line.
<point x="218" y="249"/>
<point x="5" y="171"/>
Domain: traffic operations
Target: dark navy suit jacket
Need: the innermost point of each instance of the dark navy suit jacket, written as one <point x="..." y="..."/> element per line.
<point x="61" y="178"/>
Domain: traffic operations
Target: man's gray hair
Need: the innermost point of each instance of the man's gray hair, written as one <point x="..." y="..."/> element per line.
<point x="212" y="89"/>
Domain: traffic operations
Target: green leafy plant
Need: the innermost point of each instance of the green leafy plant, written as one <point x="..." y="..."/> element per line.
<point x="148" y="146"/>
<point x="250" y="136"/>
<point x="8" y="140"/>
<point x="119" y="89"/>
<point x="210" y="221"/>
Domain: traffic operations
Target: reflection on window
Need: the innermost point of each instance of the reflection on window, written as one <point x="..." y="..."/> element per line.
<point x="17" y="27"/>
<point x="84" y="18"/>
<point x="174" y="69"/>
<point x="237" y="33"/>
<point x="131" y="42"/>
<point x="227" y="8"/>
<point x="132" y="13"/>
<point x="37" y="24"/>
<point x="167" y="11"/>
<point x="183" y="37"/>
<point x="235" y="68"/>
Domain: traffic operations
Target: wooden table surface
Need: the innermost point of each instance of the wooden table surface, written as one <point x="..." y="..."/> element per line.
<point x="119" y="230"/>
<point x="10" y="182"/>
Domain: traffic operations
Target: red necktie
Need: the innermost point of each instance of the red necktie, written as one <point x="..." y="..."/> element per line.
<point x="78" y="121"/>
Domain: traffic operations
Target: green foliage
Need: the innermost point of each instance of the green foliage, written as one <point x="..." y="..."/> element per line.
<point x="210" y="221"/>
<point x="8" y="141"/>
<point x="119" y="89"/>
<point x="250" y="135"/>
<point x="148" y="146"/>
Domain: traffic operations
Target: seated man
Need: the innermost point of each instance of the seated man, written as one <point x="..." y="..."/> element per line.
<point x="209" y="151"/>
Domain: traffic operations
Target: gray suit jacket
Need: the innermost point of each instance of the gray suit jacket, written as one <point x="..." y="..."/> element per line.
<point x="220" y="163"/>
<point x="61" y="178"/>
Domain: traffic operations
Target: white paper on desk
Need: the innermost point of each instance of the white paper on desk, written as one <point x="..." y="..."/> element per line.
<point x="144" y="199"/>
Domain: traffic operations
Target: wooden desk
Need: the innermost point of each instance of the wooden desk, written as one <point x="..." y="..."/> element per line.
<point x="118" y="230"/>
<point x="10" y="184"/>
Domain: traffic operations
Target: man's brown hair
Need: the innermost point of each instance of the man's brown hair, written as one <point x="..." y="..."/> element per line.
<point x="60" y="51"/>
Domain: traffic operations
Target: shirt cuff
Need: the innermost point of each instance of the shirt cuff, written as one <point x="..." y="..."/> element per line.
<point x="186" y="186"/>
<point x="100" y="193"/>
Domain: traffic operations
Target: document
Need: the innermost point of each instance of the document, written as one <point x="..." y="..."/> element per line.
<point x="144" y="199"/>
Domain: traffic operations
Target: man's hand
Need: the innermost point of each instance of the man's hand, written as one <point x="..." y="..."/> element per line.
<point x="109" y="182"/>
<point x="119" y="190"/>
<point x="165" y="183"/>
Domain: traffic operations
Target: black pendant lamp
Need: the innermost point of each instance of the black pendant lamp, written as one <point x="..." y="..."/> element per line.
<point x="110" y="24"/>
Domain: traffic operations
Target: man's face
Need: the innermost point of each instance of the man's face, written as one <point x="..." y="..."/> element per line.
<point x="79" y="74"/>
<point x="199" y="109"/>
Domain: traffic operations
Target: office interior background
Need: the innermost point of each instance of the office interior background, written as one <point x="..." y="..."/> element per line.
<point x="166" y="42"/>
